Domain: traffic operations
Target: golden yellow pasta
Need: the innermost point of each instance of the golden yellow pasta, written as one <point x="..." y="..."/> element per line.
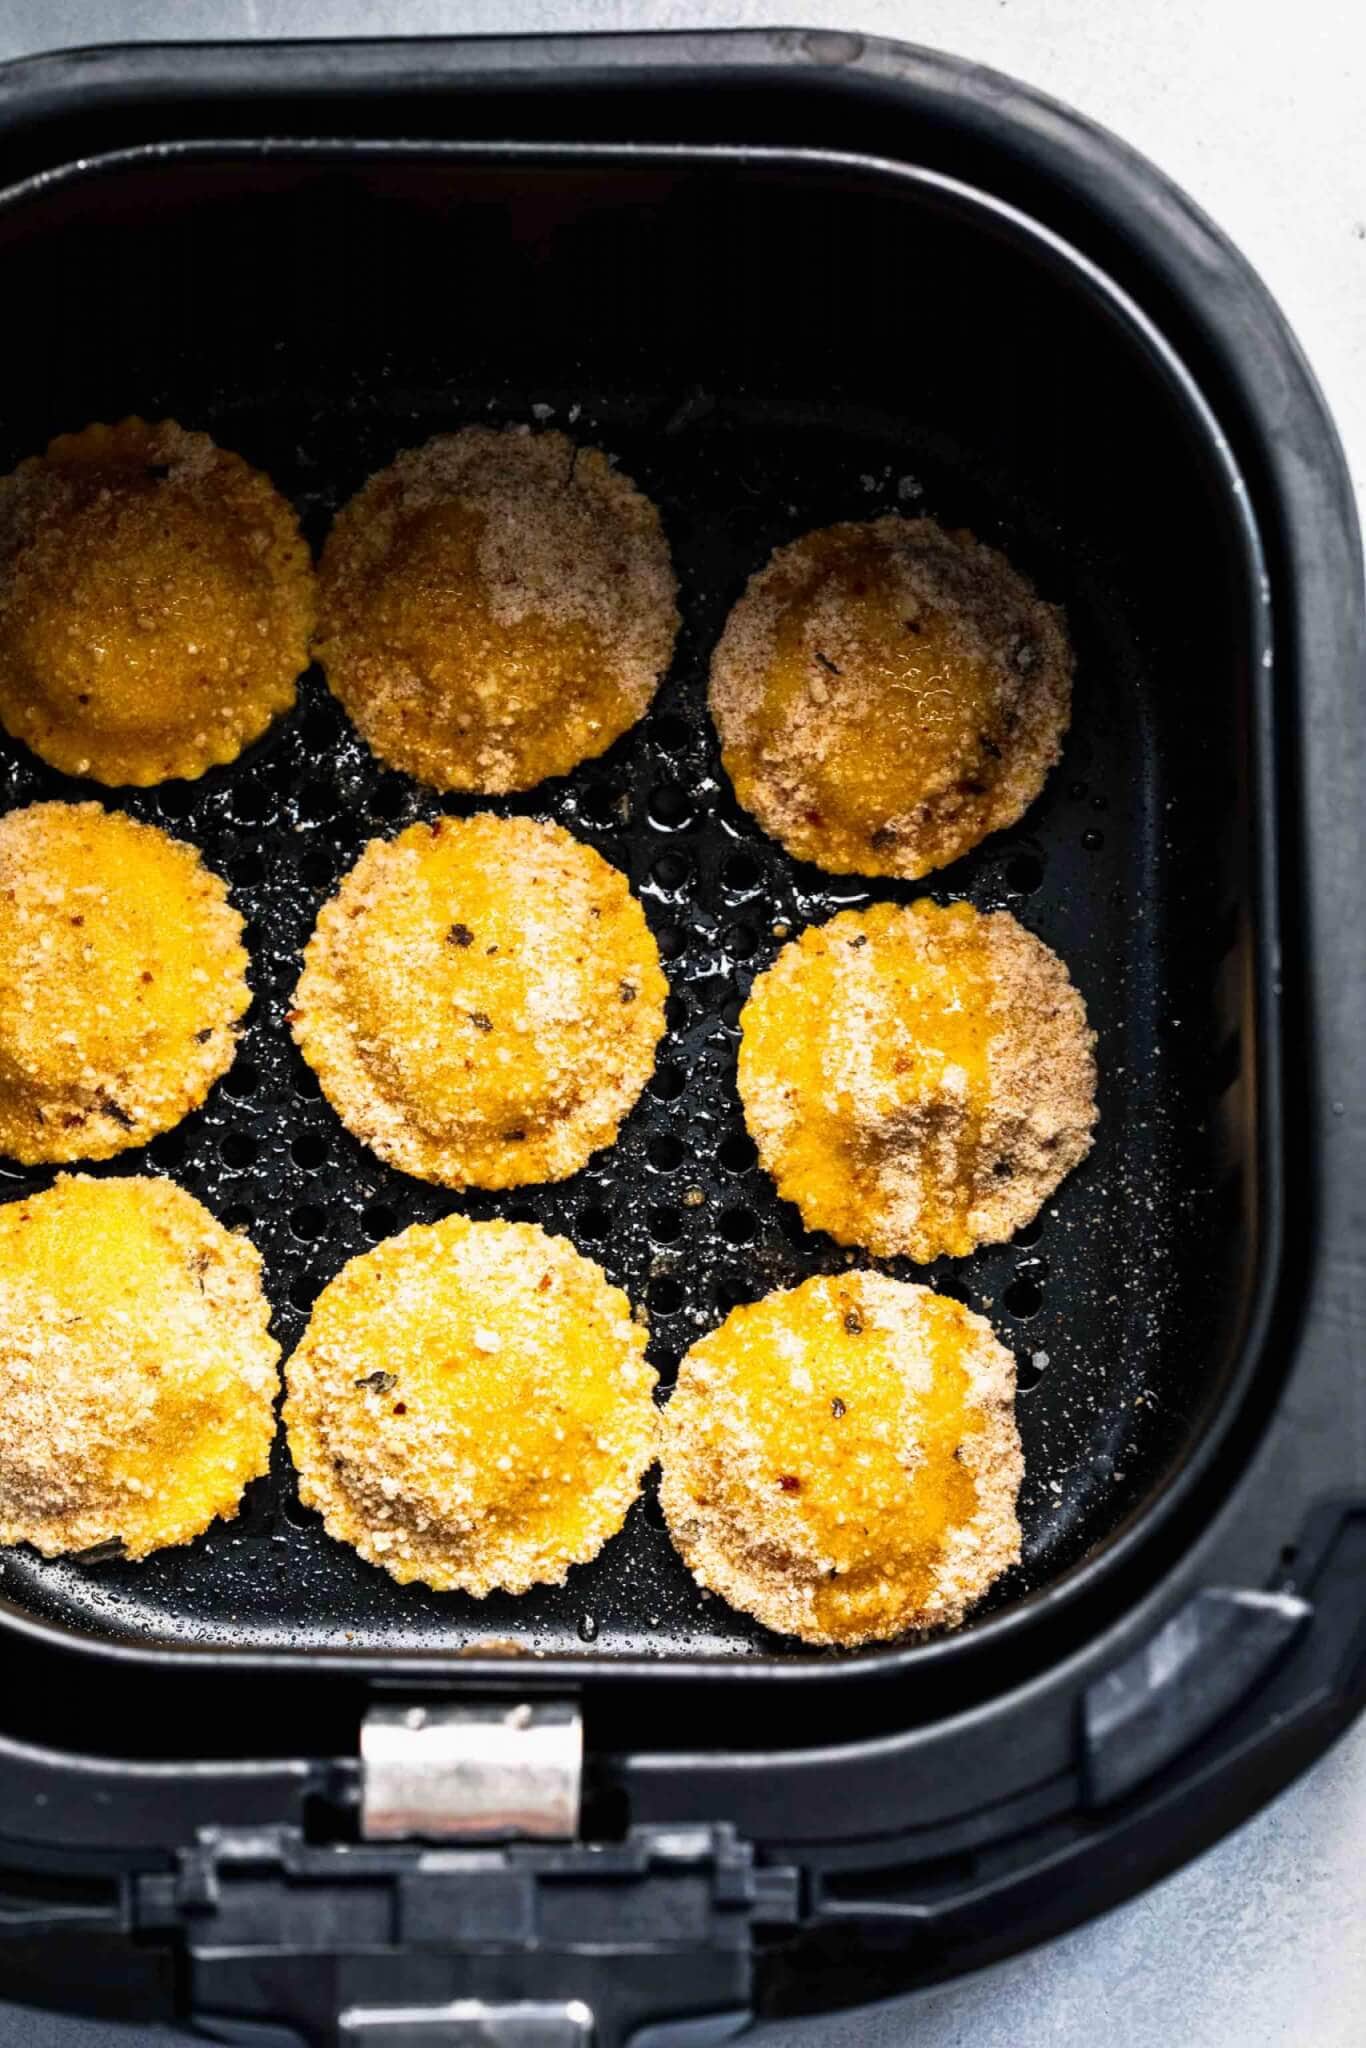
<point x="470" y="1407"/>
<point x="137" y="1369"/>
<point x="481" y="1001"/>
<point x="156" y="603"/>
<point x="887" y="694"/>
<point x="917" y="1080"/>
<point x="841" y="1460"/>
<point x="495" y="608"/>
<point x="122" y="982"/>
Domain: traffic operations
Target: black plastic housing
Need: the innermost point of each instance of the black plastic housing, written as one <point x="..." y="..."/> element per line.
<point x="767" y="268"/>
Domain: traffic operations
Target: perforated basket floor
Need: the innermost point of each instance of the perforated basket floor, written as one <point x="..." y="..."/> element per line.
<point x="1104" y="1299"/>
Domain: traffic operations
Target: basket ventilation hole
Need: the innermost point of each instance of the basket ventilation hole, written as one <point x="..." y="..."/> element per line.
<point x="737" y="1154"/>
<point x="737" y="1226"/>
<point x="669" y="808"/>
<point x="1023" y="1298"/>
<point x="1024" y="874"/>
<point x="670" y="870"/>
<point x="742" y="874"/>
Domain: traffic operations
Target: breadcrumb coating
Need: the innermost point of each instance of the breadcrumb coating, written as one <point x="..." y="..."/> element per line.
<point x="470" y="1407"/>
<point x="122" y="982"/>
<point x="156" y="603"/>
<point x="889" y="693"/>
<point x="917" y="1080"/>
<point x="496" y="606"/>
<point x="137" y="1370"/>
<point x="481" y="1001"/>
<point x="841" y="1460"/>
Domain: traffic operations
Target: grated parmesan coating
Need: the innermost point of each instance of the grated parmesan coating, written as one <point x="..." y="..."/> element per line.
<point x="470" y="1407"/>
<point x="889" y="693"/>
<point x="122" y="982"/>
<point x="496" y="607"/>
<point x="156" y="603"/>
<point x="917" y="1080"/>
<point x="481" y="1001"/>
<point x="137" y="1370"/>
<point x="841" y="1461"/>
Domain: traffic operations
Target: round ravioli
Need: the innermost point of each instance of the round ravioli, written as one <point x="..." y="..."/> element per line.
<point x="156" y="603"/>
<point x="917" y="1080"/>
<point x="889" y="693"/>
<point x="481" y="1001"/>
<point x="137" y="1370"/>
<point x="496" y="607"/>
<point x="122" y="982"/>
<point x="841" y="1460"/>
<point x="470" y="1407"/>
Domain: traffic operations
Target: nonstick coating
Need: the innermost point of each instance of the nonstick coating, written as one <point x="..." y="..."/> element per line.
<point x="1110" y="1301"/>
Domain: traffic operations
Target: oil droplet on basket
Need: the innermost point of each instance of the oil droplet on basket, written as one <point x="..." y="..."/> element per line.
<point x="588" y="1628"/>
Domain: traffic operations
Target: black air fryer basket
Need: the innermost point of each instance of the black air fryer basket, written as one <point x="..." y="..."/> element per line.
<point x="785" y="279"/>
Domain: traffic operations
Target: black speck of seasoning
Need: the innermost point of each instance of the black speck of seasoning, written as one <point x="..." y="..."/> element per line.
<point x="853" y="1323"/>
<point x="82" y="696"/>
<point x="481" y="1020"/>
<point x="831" y="667"/>
<point x="400" y="1407"/>
<point x="881" y="838"/>
<point x="117" y="1111"/>
<point x="146" y="975"/>
<point x="913" y="625"/>
<point x="789" y="1482"/>
<point x="837" y="1408"/>
<point x="379" y="1382"/>
<point x="489" y="951"/>
<point x="859" y="939"/>
<point x="460" y="935"/>
<point x="627" y="992"/>
<point x="203" y="1037"/>
<point x="989" y="746"/>
<point x="1002" y="1169"/>
<point x="514" y="1137"/>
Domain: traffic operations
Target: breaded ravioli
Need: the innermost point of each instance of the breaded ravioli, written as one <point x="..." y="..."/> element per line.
<point x="481" y="1001"/>
<point x="841" y="1460"/>
<point x="137" y="1370"/>
<point x="917" y="1080"/>
<point x="889" y="693"/>
<point x="470" y="1407"/>
<point x="122" y="982"/>
<point x="156" y="603"/>
<point x="496" y="607"/>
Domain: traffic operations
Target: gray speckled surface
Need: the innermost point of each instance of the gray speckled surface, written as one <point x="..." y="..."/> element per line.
<point x="1257" y="111"/>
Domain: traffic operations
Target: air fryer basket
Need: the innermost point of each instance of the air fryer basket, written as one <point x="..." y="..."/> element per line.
<point x="764" y="350"/>
<point x="783" y="278"/>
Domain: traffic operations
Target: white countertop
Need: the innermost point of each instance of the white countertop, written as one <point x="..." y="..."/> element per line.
<point x="1259" y="110"/>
